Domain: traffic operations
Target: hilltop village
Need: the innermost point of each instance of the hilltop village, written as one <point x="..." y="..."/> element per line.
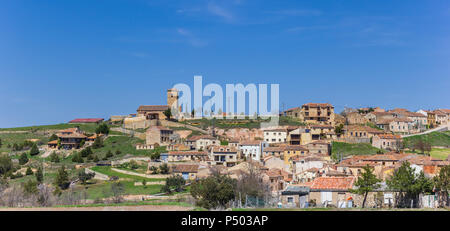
<point x="313" y="158"/>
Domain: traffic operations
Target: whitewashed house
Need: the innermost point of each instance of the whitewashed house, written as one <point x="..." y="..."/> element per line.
<point x="253" y="149"/>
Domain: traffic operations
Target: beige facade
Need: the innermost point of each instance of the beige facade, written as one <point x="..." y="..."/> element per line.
<point x="158" y="135"/>
<point x="387" y="141"/>
<point x="321" y="113"/>
<point x="313" y="113"/>
<point x="356" y="118"/>
<point x="224" y="155"/>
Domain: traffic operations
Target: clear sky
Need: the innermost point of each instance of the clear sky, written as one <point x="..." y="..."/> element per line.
<point x="61" y="60"/>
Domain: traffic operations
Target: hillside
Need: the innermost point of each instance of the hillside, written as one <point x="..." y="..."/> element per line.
<point x="434" y="138"/>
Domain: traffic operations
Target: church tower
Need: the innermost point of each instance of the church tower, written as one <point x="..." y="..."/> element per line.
<point x="172" y="100"/>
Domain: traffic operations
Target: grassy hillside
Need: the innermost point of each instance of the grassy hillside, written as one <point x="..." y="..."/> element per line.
<point x="240" y="123"/>
<point x="434" y="138"/>
<point x="353" y="149"/>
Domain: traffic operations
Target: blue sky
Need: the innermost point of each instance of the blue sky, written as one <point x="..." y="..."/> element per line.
<point x="61" y="60"/>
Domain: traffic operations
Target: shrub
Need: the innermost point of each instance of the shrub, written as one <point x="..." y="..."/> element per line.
<point x="23" y="159"/>
<point x="29" y="171"/>
<point x="34" y="150"/>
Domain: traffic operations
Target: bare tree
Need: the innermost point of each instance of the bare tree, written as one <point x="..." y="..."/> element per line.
<point x="251" y="183"/>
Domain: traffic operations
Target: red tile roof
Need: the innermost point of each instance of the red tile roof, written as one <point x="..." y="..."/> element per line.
<point x="332" y="183"/>
<point x="186" y="168"/>
<point x="87" y="120"/>
<point x="153" y="108"/>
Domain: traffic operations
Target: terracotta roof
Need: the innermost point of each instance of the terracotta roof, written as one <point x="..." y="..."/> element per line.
<point x="294" y="108"/>
<point x="195" y="138"/>
<point x="389" y="136"/>
<point x="362" y="128"/>
<point x="153" y="108"/>
<point x="274" y="149"/>
<point x="53" y="142"/>
<point x="275" y="130"/>
<point x="71" y="135"/>
<point x="251" y="143"/>
<point x="186" y="168"/>
<point x="223" y="149"/>
<point x="318" y="105"/>
<point x="332" y="183"/>
<point x="179" y="153"/>
<point x="295" y="148"/>
<point x="87" y="120"/>
<point x="320" y="126"/>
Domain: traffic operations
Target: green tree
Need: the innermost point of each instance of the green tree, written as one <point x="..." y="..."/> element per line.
<point x="84" y="177"/>
<point x="213" y="191"/>
<point x="144" y="183"/>
<point x="29" y="171"/>
<point x="408" y="184"/>
<point x="442" y="185"/>
<point x="164" y="168"/>
<point x="34" y="150"/>
<point x="54" y="157"/>
<point x="102" y="128"/>
<point x="39" y="175"/>
<point x="23" y="159"/>
<point x="96" y="159"/>
<point x="62" y="178"/>
<point x="109" y="154"/>
<point x="366" y="183"/>
<point x="339" y="129"/>
<point x="77" y="158"/>
<point x="176" y="182"/>
<point x="1" y="143"/>
<point x="168" y="113"/>
<point x="5" y="164"/>
<point x="30" y="187"/>
<point x="98" y="143"/>
<point x="53" y="137"/>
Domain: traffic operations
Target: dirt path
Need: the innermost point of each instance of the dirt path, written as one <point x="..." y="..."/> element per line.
<point x="108" y="208"/>
<point x="140" y="174"/>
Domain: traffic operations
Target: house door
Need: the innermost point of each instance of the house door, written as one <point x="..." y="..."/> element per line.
<point x="325" y="196"/>
<point x="302" y="201"/>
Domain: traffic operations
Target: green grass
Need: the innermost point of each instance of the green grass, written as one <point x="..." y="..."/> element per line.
<point x="348" y="149"/>
<point x="100" y="190"/>
<point x="439" y="153"/>
<point x="434" y="138"/>
<point x="84" y="127"/>
<point x="240" y="123"/>
<point x="109" y="172"/>
<point x="173" y="203"/>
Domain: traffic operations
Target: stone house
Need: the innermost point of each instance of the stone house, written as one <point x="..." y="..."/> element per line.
<point x="158" y="135"/>
<point x="187" y="171"/>
<point x="291" y="151"/>
<point x="201" y="142"/>
<point x="224" y="155"/>
<point x="331" y="190"/>
<point x="356" y="118"/>
<point x="319" y="147"/>
<point x="387" y="141"/>
<point x="299" y="136"/>
<point x="181" y="156"/>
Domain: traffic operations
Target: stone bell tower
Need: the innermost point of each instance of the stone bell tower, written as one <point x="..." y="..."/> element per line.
<point x="172" y="101"/>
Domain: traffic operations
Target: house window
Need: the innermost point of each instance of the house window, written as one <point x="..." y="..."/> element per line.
<point x="290" y="200"/>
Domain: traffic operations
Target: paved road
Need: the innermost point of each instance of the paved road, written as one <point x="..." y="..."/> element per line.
<point x="445" y="127"/>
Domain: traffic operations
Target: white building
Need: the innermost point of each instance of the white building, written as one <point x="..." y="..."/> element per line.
<point x="253" y="149"/>
<point x="278" y="135"/>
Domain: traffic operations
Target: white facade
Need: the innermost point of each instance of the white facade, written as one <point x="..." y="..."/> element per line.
<point x="253" y="151"/>
<point x="275" y="136"/>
